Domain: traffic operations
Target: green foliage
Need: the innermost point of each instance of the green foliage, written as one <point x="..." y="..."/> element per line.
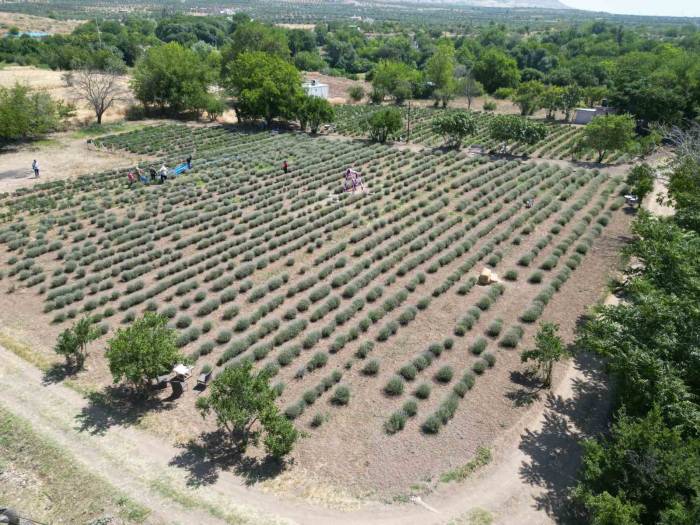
<point x="174" y="77"/>
<point x="440" y="71"/>
<point x="240" y="397"/>
<point x="511" y="128"/>
<point x="394" y="79"/>
<point x="25" y="114"/>
<point x="495" y="69"/>
<point x="528" y="97"/>
<point x="264" y="86"/>
<point x="142" y="351"/>
<point x="72" y="342"/>
<point x="549" y="349"/>
<point x="383" y="124"/>
<point x="454" y="127"/>
<point x="314" y="111"/>
<point x="608" y="133"/>
<point x="641" y="180"/>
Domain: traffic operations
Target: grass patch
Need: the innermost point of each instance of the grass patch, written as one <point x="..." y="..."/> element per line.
<point x="60" y="491"/>
<point x="482" y="458"/>
<point x="25" y="352"/>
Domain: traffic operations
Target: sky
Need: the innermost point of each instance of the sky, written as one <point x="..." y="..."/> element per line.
<point x="640" y="7"/>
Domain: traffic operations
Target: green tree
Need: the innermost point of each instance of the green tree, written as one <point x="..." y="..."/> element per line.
<point x="552" y="100"/>
<point x="25" y="114"/>
<point x="467" y="85"/>
<point x="549" y="349"/>
<point x="571" y="97"/>
<point x="142" y="351"/>
<point x="72" y="342"/>
<point x="239" y="398"/>
<point x="440" y="71"/>
<point x="394" y="79"/>
<point x="384" y="123"/>
<point x="496" y="70"/>
<point x="528" y="97"/>
<point x="608" y="133"/>
<point x="454" y="126"/>
<point x="314" y="111"/>
<point x="265" y="86"/>
<point x="648" y="467"/>
<point x="172" y="76"/>
<point x="593" y="95"/>
<point x="641" y="180"/>
<point x="511" y="128"/>
<point x="256" y="36"/>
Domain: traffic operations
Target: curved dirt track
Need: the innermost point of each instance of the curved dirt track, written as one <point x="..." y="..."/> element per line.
<point x="520" y="485"/>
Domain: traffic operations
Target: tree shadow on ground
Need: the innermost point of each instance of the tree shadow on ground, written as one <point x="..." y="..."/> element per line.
<point x="214" y="452"/>
<point x="554" y="451"/>
<point x="56" y="373"/>
<point x="117" y="406"/>
<point x="528" y="388"/>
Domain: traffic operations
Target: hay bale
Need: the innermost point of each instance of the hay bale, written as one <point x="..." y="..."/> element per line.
<point x="487" y="277"/>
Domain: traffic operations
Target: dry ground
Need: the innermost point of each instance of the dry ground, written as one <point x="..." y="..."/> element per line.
<point x="52" y="82"/>
<point x="36" y="23"/>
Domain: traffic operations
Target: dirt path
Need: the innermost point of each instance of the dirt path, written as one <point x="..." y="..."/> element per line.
<point x="60" y="156"/>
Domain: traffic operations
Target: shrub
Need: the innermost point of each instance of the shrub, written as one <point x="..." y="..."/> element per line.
<point x="341" y="396"/>
<point x="395" y="423"/>
<point x="410" y="408"/>
<point x="223" y="337"/>
<point x="317" y="420"/>
<point x="318" y="360"/>
<point x="494" y="329"/>
<point x="371" y="368"/>
<point x="484" y="303"/>
<point x="444" y="374"/>
<point x="532" y="314"/>
<point x="394" y="387"/>
<point x="431" y="425"/>
<point x="423" y="391"/>
<point x="183" y="322"/>
<point x="295" y="410"/>
<point x="489" y="358"/>
<point x="310" y="396"/>
<point x="512" y="337"/>
<point x="435" y="349"/>
<point x="408" y="372"/>
<point x="479" y="366"/>
<point x="511" y="275"/>
<point x="364" y="349"/>
<point x="536" y="277"/>
<point x="478" y="346"/>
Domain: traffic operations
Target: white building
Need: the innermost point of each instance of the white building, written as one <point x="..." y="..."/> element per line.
<point x="585" y="115"/>
<point x="315" y="89"/>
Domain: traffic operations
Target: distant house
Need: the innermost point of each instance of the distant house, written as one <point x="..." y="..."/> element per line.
<point x="585" y="115"/>
<point x="315" y="89"/>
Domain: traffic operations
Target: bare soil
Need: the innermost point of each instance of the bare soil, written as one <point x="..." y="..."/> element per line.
<point x="53" y="83"/>
<point x="337" y="86"/>
<point x="36" y="23"/>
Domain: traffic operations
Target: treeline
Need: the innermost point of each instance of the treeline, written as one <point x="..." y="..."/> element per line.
<point x="647" y="469"/>
<point x="653" y="74"/>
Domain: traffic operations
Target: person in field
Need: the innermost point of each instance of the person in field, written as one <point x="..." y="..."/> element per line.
<point x="131" y="178"/>
<point x="189" y="161"/>
<point x="163" y="172"/>
<point x="285" y="167"/>
<point x="153" y="173"/>
<point x="35" y="168"/>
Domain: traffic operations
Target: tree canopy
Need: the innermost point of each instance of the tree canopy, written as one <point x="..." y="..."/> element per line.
<point x="142" y="351"/>
<point x="383" y="124"/>
<point x="25" y="114"/>
<point x="607" y="133"/>
<point x="454" y="127"/>
<point x="265" y="86"/>
<point x="240" y="398"/>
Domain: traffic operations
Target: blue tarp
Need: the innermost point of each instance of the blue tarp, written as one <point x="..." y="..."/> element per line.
<point x="180" y="168"/>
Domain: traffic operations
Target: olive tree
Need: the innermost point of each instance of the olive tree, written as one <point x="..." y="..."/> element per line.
<point x="384" y="123"/>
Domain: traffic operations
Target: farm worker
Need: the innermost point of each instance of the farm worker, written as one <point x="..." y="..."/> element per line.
<point x="358" y="181"/>
<point x="141" y="176"/>
<point x="189" y="161"/>
<point x="153" y="174"/>
<point x="131" y="178"/>
<point x="35" y="167"/>
<point x="163" y="171"/>
<point x="285" y="167"/>
<point x="349" y="180"/>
